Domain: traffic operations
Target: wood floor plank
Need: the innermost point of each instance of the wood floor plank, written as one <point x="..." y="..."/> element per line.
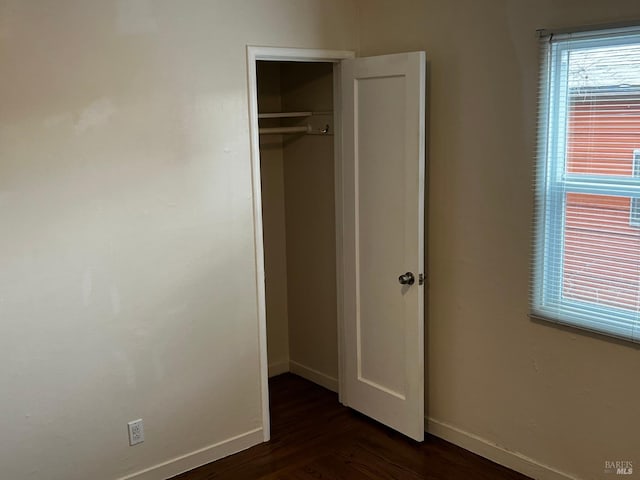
<point x="316" y="438"/>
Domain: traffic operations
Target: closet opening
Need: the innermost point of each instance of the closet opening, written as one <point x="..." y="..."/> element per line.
<point x="340" y="278"/>
<point x="296" y="125"/>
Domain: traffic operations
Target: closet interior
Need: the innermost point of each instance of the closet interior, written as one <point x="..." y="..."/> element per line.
<point x="296" y="120"/>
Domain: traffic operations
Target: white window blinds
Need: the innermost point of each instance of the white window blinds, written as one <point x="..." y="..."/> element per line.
<point x="587" y="222"/>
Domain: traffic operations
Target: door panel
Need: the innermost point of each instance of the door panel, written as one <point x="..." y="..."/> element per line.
<point x="383" y="175"/>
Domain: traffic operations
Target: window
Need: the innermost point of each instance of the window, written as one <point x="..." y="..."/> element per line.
<point x="587" y="230"/>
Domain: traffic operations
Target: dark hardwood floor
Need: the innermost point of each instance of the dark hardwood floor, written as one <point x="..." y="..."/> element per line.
<point x="314" y="437"/>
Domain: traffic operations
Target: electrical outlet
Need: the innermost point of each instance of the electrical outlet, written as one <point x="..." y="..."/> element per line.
<point x="136" y="432"/>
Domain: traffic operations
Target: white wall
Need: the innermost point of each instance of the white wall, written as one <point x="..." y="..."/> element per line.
<point x="127" y="278"/>
<point x="564" y="399"/>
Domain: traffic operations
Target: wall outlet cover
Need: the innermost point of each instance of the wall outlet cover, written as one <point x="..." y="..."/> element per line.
<point x="136" y="432"/>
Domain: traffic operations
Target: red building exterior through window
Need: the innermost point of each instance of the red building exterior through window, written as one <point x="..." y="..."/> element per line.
<point x="601" y="240"/>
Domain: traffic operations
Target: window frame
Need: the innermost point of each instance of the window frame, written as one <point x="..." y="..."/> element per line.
<point x="553" y="183"/>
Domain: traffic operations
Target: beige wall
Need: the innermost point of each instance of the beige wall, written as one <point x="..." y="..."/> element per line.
<point x="127" y="278"/>
<point x="310" y="220"/>
<point x="563" y="398"/>
<point x="273" y="220"/>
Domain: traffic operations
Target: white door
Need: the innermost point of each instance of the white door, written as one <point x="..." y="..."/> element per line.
<point x="383" y="213"/>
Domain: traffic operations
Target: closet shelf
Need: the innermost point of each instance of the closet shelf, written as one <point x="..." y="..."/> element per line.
<point x="317" y="123"/>
<point x="285" y="114"/>
<point x="278" y="130"/>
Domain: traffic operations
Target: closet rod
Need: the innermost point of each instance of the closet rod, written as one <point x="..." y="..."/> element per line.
<point x="276" y="130"/>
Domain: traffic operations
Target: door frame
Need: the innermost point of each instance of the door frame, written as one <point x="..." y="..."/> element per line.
<point x="278" y="54"/>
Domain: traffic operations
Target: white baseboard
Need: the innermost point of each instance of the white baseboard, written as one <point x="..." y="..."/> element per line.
<point x="277" y="368"/>
<point x="314" y="376"/>
<point x="496" y="453"/>
<point x="200" y="457"/>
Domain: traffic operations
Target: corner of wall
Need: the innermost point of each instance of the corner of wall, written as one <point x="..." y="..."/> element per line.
<point x="494" y="452"/>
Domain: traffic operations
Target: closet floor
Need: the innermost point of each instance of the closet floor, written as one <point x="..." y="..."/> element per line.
<point x="314" y="437"/>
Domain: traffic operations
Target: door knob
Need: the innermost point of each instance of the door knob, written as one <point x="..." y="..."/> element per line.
<point x="407" y="279"/>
